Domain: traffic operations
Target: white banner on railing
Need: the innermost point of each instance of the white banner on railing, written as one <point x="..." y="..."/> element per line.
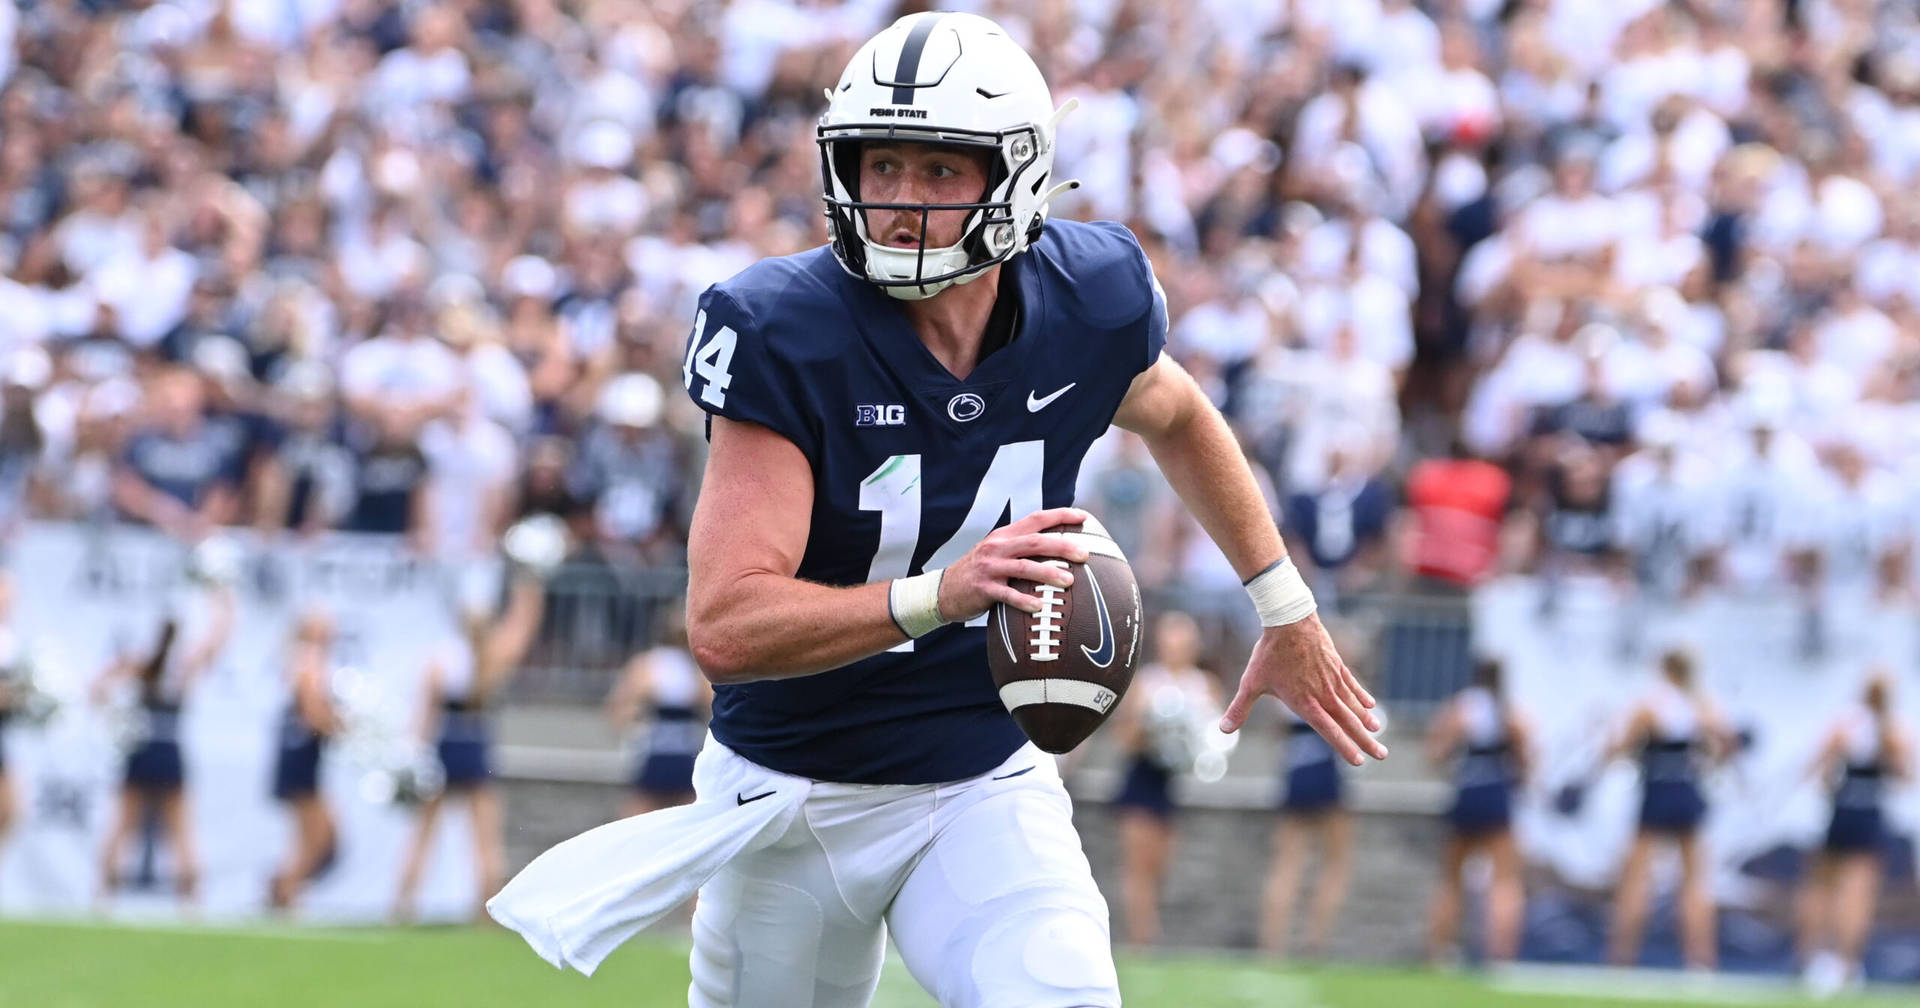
<point x="81" y="595"/>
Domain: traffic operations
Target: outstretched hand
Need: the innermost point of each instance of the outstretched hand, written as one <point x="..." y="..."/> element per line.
<point x="1297" y="665"/>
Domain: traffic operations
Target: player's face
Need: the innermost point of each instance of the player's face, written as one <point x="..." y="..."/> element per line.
<point x="920" y="173"/>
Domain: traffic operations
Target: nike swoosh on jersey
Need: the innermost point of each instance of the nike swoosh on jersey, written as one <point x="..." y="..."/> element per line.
<point x="1102" y="655"/>
<point x="1035" y="405"/>
<point x="1014" y="774"/>
<point x="743" y="799"/>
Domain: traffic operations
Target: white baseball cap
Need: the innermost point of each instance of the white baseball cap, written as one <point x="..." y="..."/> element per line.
<point x="631" y="400"/>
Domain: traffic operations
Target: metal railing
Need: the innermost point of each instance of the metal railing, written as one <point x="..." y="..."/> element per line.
<point x="1413" y="649"/>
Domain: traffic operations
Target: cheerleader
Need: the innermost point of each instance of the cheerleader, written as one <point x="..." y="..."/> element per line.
<point x="1155" y="730"/>
<point x="10" y="655"/>
<point x="1862" y="749"/>
<point x="1674" y="730"/>
<point x="1312" y="814"/>
<point x="154" y="780"/>
<point x="463" y="678"/>
<point x="308" y="721"/>
<point x="664" y="680"/>
<point x="1487" y="742"/>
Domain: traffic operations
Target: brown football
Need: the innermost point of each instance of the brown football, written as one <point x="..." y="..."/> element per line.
<point x="1062" y="670"/>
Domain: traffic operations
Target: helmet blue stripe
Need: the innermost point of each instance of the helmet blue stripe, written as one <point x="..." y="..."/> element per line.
<point x="908" y="71"/>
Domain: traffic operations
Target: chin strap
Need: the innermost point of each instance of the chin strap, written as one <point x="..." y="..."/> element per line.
<point x="1067" y="186"/>
<point x="1053" y="121"/>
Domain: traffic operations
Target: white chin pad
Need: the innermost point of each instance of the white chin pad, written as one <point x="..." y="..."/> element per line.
<point x="891" y="265"/>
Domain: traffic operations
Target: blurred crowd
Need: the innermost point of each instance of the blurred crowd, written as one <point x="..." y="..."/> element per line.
<point x="1620" y="287"/>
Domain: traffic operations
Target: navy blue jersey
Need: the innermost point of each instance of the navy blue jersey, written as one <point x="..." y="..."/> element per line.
<point x="911" y="468"/>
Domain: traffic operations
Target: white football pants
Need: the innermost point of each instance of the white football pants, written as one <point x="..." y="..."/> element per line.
<point x="981" y="882"/>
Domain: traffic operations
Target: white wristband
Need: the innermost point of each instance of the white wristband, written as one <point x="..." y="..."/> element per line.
<point x="914" y="603"/>
<point x="1280" y="594"/>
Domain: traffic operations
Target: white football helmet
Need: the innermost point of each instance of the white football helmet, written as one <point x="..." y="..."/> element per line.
<point x="948" y="79"/>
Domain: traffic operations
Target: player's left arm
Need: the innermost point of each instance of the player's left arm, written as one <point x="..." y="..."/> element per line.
<point x="1201" y="459"/>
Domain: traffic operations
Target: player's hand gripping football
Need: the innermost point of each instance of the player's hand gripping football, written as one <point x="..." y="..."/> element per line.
<point x="973" y="583"/>
<point x="1297" y="665"/>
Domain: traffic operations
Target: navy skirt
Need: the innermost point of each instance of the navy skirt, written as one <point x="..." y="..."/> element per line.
<point x="664" y="773"/>
<point x="155" y="766"/>
<point x="464" y="761"/>
<point x="296" y="771"/>
<point x="1479" y="809"/>
<point x="1671" y="806"/>
<point x="1312" y="787"/>
<point x="1147" y="787"/>
<point x="1855" y="830"/>
<point x="463" y="746"/>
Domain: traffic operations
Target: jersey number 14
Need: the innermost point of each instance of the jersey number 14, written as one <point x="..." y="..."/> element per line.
<point x="1011" y="486"/>
<point x="710" y="360"/>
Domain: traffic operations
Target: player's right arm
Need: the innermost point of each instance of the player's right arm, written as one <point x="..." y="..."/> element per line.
<point x="749" y="617"/>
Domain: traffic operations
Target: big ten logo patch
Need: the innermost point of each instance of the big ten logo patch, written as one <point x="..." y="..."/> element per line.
<point x="880" y="415"/>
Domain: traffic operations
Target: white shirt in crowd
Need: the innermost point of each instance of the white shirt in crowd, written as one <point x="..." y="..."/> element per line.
<point x="1855" y="525"/>
<point x="148" y="294"/>
<point x="1760" y="513"/>
<point x="87" y="238"/>
<point x="407" y="77"/>
<point x="1377" y="310"/>
<point x="1385" y="249"/>
<point x="1555" y="226"/>
<point x="1228" y="331"/>
<point x="1657" y="505"/>
<point x="1387" y="131"/>
<point x="469" y="464"/>
<point x="401" y="371"/>
<point x="1858" y="341"/>
<point x="1098" y="150"/>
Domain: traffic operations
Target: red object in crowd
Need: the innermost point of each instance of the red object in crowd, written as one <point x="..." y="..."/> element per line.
<point x="1457" y="505"/>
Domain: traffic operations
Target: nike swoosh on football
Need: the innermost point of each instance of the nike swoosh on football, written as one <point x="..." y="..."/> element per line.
<point x="1101" y="656"/>
<point x="743" y="799"/>
<point x="1036" y="405"/>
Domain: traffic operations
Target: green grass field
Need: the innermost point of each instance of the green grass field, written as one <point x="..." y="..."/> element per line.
<point x="63" y="965"/>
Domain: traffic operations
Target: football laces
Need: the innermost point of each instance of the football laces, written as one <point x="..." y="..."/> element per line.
<point x="1044" y="642"/>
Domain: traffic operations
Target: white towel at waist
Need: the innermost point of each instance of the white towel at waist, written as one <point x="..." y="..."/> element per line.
<point x="581" y="899"/>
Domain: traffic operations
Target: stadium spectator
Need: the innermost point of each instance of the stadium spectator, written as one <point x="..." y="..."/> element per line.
<point x="1457" y="508"/>
<point x="390" y="481"/>
<point x="180" y="472"/>
<point x="1339" y="526"/>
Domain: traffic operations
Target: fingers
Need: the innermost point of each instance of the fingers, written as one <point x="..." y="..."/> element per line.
<point x="1329" y="728"/>
<point x="1358" y="738"/>
<point x="1347" y="688"/>
<point x="1035" y="544"/>
<point x="1047" y="519"/>
<point x="1241" y="705"/>
<point x="1000" y="591"/>
<point x="1040" y="572"/>
<point x="1366" y="698"/>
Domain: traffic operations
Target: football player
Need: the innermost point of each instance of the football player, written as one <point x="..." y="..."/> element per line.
<point x="894" y="419"/>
